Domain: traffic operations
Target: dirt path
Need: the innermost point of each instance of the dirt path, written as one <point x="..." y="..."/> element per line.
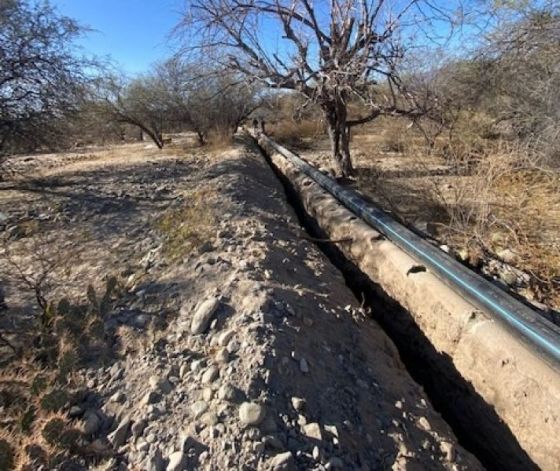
<point x="237" y="344"/>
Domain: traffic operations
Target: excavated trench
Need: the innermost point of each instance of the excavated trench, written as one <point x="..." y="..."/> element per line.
<point x="474" y="419"/>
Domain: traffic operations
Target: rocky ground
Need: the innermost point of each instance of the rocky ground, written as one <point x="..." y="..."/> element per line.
<point x="233" y="342"/>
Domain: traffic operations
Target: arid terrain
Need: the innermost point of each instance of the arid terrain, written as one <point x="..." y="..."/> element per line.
<point x="197" y="327"/>
<point x="501" y="216"/>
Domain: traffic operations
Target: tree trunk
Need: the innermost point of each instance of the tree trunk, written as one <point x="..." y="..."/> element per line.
<point x="155" y="136"/>
<point x="339" y="136"/>
<point x="201" y="139"/>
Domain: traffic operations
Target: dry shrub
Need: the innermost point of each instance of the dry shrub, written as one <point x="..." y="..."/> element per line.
<point x="507" y="200"/>
<point x="292" y="133"/>
<point x="396" y="136"/>
<point x="219" y="140"/>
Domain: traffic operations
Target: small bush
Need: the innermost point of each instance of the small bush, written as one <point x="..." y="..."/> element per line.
<point x="293" y="133"/>
<point x="396" y="137"/>
<point x="7" y="455"/>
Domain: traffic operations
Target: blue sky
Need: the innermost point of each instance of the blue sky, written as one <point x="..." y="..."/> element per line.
<point x="132" y="32"/>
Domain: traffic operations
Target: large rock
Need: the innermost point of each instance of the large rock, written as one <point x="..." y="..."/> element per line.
<point x="92" y="422"/>
<point x="155" y="461"/>
<point x="119" y="436"/>
<point x="203" y="315"/>
<point x="251" y="413"/>
<point x="176" y="461"/>
<point x="210" y="375"/>
<point x="313" y="431"/>
<point x="283" y="462"/>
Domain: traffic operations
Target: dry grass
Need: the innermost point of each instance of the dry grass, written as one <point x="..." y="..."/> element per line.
<point x="511" y="203"/>
<point x="485" y="195"/>
<point x="296" y="134"/>
<point x="189" y="227"/>
<point x="219" y="140"/>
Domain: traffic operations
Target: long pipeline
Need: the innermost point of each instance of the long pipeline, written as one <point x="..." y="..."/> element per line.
<point x="533" y="328"/>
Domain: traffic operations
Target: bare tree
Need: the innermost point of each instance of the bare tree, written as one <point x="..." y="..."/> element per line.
<point x="332" y="52"/>
<point x="42" y="74"/>
<point x="205" y="99"/>
<point x="140" y="102"/>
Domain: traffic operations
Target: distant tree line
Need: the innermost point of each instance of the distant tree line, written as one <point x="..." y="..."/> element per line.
<point x="348" y="64"/>
<point x="53" y="97"/>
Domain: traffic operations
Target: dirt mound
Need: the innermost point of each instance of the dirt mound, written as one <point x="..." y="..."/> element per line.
<point x="268" y="361"/>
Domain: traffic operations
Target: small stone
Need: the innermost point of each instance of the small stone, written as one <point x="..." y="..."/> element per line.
<point x="210" y="418"/>
<point x="282" y="462"/>
<point x="151" y="398"/>
<point x="312" y="430"/>
<point x="116" y="372"/>
<point x="507" y="255"/>
<point x="207" y="394"/>
<point x="210" y="375"/>
<point x="196" y="365"/>
<point x="298" y="404"/>
<point x="118" y="397"/>
<point x="424" y="424"/>
<point x="199" y="408"/>
<point x="203" y="315"/>
<point x="233" y="346"/>
<point x="251" y="413"/>
<point x="448" y="450"/>
<point x="226" y="392"/>
<point x="304" y="366"/>
<point x="258" y="448"/>
<point x="222" y="355"/>
<point x="153" y="381"/>
<point x="253" y="433"/>
<point x="142" y="445"/>
<point x="138" y="427"/>
<point x="508" y="277"/>
<point x="155" y="462"/>
<point x="75" y="411"/>
<point x="332" y="430"/>
<point x="335" y="463"/>
<point x="224" y="338"/>
<point x="183" y="370"/>
<point x="160" y="385"/>
<point x="140" y="321"/>
<point x="119" y="436"/>
<point x="399" y="404"/>
<point x="176" y="461"/>
<point x="316" y="453"/>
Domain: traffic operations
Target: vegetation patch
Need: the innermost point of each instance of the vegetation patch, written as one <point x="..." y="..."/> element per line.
<point x="188" y="227"/>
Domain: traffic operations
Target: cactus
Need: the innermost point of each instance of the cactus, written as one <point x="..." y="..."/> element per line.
<point x="92" y="296"/>
<point x="38" y="385"/>
<point x="54" y="400"/>
<point x="7" y="455"/>
<point x="58" y="433"/>
<point x="63" y="307"/>
<point x="68" y="361"/>
<point x="26" y="419"/>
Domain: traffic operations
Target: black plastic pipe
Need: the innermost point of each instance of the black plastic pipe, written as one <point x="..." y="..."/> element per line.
<point x="532" y="328"/>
